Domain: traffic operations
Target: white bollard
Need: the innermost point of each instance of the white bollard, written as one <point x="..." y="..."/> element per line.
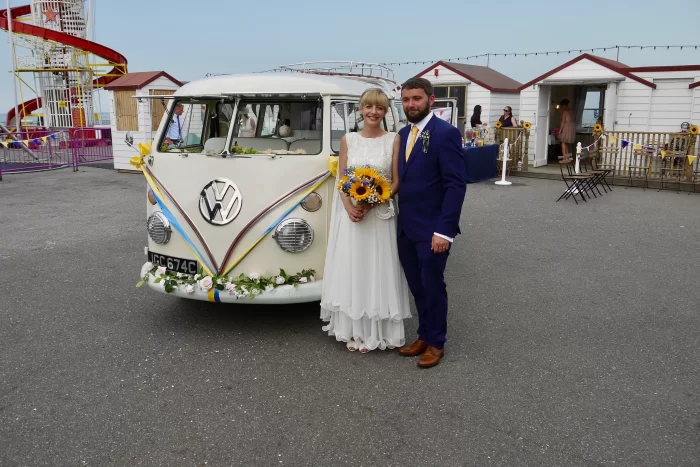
<point x="579" y="150"/>
<point x="503" y="180"/>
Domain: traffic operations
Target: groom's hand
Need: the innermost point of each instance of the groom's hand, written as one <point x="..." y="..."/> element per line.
<point x="439" y="244"/>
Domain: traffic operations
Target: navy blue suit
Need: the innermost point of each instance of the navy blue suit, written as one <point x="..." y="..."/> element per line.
<point x="432" y="187"/>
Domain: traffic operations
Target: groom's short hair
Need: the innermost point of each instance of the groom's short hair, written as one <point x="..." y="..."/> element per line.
<point x="419" y="83"/>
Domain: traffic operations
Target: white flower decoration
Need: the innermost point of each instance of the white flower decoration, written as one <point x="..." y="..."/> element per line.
<point x="197" y="277"/>
<point x="270" y="288"/>
<point x="255" y="292"/>
<point x="160" y="271"/>
<point x="279" y="280"/>
<point x="206" y="283"/>
<point x="146" y="268"/>
<point x="312" y="279"/>
<point x="303" y="280"/>
<point x="254" y="276"/>
<point x="189" y="289"/>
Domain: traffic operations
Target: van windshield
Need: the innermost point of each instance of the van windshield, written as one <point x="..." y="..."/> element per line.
<point x="281" y="126"/>
<point x="197" y="124"/>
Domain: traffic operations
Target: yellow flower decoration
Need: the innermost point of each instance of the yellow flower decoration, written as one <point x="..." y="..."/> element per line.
<point x="359" y="192"/>
<point x="366" y="172"/>
<point x="333" y="165"/>
<point x="498" y="124"/>
<point x="144" y="149"/>
<point x="383" y="190"/>
<point x="527" y="125"/>
<point x="598" y="128"/>
<point x="694" y="130"/>
<point x="136" y="161"/>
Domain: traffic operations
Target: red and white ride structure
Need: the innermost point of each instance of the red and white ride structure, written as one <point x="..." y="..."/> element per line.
<point x="54" y="59"/>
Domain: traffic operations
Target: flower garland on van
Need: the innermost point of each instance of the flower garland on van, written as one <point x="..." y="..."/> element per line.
<point x="242" y="286"/>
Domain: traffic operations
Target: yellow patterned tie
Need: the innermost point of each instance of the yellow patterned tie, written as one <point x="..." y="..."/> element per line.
<point x="409" y="147"/>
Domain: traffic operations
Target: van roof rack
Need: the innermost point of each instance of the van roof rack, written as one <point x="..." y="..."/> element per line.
<point x="369" y="72"/>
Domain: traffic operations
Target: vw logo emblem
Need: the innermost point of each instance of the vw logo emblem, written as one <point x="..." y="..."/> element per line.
<point x="220" y="201"/>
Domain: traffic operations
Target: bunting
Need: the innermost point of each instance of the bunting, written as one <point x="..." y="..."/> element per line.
<point x="17" y="143"/>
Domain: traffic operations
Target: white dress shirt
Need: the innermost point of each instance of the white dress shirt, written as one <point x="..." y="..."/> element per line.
<point x="421" y="126"/>
<point x="176" y="127"/>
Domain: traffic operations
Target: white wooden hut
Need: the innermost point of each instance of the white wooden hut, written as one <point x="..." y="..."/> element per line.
<point x="622" y="98"/>
<point x="474" y="85"/>
<point x="140" y="117"/>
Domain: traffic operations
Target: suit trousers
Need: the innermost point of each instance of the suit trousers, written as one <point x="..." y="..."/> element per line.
<point x="425" y="274"/>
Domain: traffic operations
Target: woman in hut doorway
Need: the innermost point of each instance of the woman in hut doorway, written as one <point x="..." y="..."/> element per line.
<point x="567" y="127"/>
<point x="508" y="119"/>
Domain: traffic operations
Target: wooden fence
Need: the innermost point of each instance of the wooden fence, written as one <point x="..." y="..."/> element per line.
<point x="649" y="154"/>
<point x="519" y="141"/>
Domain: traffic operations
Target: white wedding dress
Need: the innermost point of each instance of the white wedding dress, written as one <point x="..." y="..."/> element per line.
<point x="365" y="293"/>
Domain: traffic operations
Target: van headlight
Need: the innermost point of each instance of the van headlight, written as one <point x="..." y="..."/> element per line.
<point x="158" y="228"/>
<point x="294" y="235"/>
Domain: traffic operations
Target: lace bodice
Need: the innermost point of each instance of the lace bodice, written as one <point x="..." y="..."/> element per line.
<point x="376" y="152"/>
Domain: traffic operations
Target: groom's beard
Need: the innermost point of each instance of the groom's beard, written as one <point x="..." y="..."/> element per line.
<point x="415" y="116"/>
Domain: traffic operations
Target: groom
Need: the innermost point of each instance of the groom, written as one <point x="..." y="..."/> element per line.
<point x="432" y="187"/>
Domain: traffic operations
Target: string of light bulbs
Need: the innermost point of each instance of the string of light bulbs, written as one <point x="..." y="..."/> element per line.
<point x="546" y="53"/>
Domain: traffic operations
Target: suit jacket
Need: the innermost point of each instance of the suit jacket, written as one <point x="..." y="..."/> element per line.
<point x="432" y="184"/>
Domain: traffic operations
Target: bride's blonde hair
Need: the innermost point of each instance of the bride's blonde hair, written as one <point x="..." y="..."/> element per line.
<point x="374" y="96"/>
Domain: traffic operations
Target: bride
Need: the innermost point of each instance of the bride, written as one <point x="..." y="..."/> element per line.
<point x="364" y="298"/>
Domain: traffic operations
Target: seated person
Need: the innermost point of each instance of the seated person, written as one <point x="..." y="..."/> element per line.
<point x="174" y="133"/>
<point x="247" y="123"/>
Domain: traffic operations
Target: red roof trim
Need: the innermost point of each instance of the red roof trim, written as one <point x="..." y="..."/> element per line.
<point x="694" y="85"/>
<point x="624" y="71"/>
<point x="466" y="76"/>
<point x="115" y="86"/>
<point x="666" y="68"/>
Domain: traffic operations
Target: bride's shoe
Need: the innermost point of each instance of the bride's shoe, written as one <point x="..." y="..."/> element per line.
<point x="351" y="345"/>
<point x="363" y="348"/>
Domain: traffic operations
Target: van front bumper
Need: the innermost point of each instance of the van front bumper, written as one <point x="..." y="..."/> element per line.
<point x="283" y="294"/>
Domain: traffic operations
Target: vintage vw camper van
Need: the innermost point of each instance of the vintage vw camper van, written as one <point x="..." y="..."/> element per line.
<point x="241" y="177"/>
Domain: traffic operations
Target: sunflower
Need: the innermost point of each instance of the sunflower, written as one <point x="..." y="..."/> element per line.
<point x="597" y="128"/>
<point x="527" y="125"/>
<point x="498" y="124"/>
<point x="694" y="130"/>
<point x="383" y="190"/>
<point x="366" y="172"/>
<point x="359" y="192"/>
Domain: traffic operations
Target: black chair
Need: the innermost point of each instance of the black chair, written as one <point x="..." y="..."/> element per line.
<point x="575" y="183"/>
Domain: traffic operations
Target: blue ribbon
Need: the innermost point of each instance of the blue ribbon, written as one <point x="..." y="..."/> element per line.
<point x="168" y="215"/>
<point x="286" y="213"/>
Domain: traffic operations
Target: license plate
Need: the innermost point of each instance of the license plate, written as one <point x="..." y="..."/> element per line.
<point x="185" y="266"/>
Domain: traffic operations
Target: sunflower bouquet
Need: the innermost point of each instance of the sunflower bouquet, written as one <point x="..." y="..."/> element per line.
<point x="364" y="184"/>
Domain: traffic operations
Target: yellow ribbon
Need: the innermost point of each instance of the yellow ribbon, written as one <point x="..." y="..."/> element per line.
<point x="136" y="161"/>
<point x="691" y="159"/>
<point x="144" y="150"/>
<point x="333" y="165"/>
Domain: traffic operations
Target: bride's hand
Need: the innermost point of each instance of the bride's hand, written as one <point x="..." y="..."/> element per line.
<point x="354" y="212"/>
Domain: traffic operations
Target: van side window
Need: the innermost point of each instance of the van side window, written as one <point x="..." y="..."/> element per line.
<point x="346" y="118"/>
<point x="281" y="126"/>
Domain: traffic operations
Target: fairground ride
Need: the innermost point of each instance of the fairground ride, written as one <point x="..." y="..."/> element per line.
<point x="50" y="48"/>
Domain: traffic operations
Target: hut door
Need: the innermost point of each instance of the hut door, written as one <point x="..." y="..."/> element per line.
<point x="542" y="128"/>
<point x="610" y="107"/>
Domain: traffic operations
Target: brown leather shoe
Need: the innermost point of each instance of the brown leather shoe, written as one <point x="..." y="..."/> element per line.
<point x="417" y="348"/>
<point x="431" y="357"/>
